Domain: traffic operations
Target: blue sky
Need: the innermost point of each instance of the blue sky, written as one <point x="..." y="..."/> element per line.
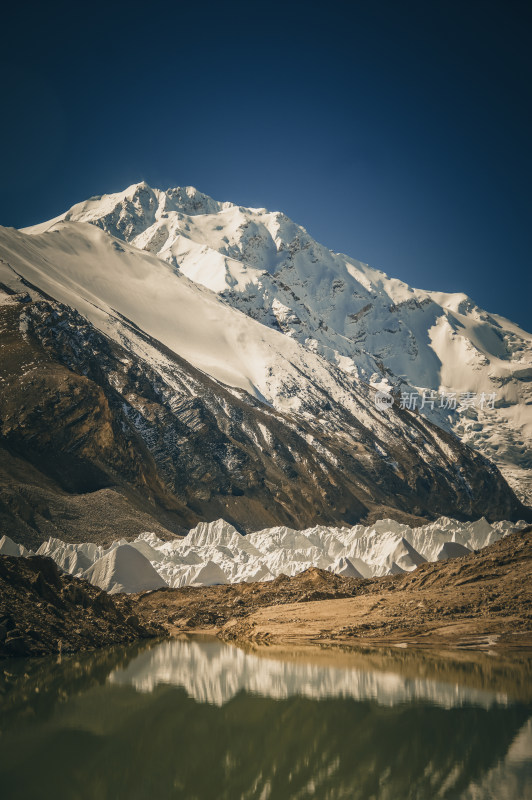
<point x="397" y="132"/>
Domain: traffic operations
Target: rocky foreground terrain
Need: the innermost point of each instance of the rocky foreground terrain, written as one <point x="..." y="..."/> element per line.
<point x="43" y="611"/>
<point x="479" y="601"/>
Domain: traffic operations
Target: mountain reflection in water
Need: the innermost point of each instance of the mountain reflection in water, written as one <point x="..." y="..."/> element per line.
<point x="205" y="720"/>
<point x="214" y="672"/>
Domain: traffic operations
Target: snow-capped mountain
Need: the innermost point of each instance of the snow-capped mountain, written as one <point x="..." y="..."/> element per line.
<point x="371" y="327"/>
<point x="128" y="385"/>
<point x="138" y="392"/>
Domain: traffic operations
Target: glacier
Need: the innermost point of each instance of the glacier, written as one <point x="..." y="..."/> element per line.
<point x="216" y="553"/>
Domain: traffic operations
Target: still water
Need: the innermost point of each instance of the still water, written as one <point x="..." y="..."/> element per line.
<point x="202" y="720"/>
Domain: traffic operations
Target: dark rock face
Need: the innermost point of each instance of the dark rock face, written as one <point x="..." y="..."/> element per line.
<point x="43" y="611"/>
<point x="97" y="444"/>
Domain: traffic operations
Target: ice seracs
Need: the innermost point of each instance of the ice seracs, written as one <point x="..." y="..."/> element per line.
<point x="345" y="567"/>
<point x="452" y="550"/>
<point x="10" y="548"/>
<point x="220" y="534"/>
<point x="124" y="569"/>
<point x="405" y="557"/>
<point x="216" y="553"/>
<point x="70" y="557"/>
<point x="209" y="574"/>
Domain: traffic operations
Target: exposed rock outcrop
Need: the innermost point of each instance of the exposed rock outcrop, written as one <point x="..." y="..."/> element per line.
<point x="43" y="611"/>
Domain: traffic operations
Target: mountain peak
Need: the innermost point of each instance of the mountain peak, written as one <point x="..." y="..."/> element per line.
<point x="141" y="197"/>
<point x="372" y="327"/>
<point x="189" y="200"/>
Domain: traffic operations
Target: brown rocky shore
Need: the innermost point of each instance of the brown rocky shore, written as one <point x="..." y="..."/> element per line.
<point x="479" y="601"/>
<point x="483" y="600"/>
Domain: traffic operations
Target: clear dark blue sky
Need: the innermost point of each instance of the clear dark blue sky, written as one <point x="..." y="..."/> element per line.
<point x="397" y="132"/>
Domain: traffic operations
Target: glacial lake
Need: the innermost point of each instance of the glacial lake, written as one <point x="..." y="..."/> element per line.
<point x="202" y="720"/>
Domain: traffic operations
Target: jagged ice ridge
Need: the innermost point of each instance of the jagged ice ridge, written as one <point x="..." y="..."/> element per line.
<point x="216" y="553"/>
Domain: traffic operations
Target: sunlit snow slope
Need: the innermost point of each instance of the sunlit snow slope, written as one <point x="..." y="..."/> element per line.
<point x="370" y="326"/>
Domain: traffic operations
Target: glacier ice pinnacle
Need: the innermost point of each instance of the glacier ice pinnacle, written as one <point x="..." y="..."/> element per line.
<point x="216" y="553"/>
